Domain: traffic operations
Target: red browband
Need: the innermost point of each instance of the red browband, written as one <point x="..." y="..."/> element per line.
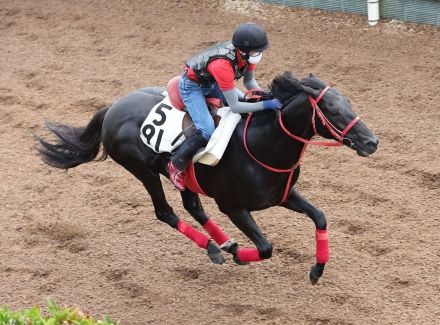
<point x="339" y="135"/>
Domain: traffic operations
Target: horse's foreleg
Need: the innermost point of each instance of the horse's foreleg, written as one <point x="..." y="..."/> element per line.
<point x="297" y="203"/>
<point x="192" y="204"/>
<point x="244" y="221"/>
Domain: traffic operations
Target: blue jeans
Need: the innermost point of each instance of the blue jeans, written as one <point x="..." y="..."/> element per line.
<point x="193" y="96"/>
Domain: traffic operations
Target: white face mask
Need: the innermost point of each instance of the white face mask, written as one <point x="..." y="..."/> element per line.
<point x="255" y="59"/>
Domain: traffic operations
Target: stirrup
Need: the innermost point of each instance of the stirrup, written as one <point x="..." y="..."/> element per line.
<point x="179" y="185"/>
<point x="174" y="176"/>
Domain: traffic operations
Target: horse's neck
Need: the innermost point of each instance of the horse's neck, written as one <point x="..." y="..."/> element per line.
<point x="297" y="117"/>
<point x="271" y="145"/>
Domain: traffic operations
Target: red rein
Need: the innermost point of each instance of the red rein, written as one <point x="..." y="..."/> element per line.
<point x="339" y="135"/>
<point x="321" y="235"/>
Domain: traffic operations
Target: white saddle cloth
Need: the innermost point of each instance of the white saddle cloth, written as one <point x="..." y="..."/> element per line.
<point x="162" y="132"/>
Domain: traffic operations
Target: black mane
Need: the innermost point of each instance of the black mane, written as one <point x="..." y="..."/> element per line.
<point x="286" y="86"/>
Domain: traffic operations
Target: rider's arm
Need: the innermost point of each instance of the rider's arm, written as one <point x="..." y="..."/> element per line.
<point x="249" y="79"/>
<point x="223" y="74"/>
<point x="240" y="94"/>
<point x="240" y="107"/>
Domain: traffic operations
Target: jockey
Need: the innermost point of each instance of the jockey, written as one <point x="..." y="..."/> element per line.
<point x="211" y="73"/>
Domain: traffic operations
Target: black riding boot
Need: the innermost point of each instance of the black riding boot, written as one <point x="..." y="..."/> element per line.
<point x="179" y="161"/>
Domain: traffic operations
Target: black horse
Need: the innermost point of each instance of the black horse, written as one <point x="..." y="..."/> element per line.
<point x="257" y="171"/>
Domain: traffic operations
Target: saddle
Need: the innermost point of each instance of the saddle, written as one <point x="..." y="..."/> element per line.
<point x="174" y="95"/>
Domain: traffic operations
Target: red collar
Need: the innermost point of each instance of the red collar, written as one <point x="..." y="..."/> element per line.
<point x="240" y="62"/>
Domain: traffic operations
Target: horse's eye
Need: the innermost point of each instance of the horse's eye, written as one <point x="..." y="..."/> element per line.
<point x="333" y="109"/>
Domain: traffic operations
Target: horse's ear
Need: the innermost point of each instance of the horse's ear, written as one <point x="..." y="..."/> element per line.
<point x="314" y="93"/>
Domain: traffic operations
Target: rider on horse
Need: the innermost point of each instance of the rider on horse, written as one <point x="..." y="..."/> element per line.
<point x="212" y="73"/>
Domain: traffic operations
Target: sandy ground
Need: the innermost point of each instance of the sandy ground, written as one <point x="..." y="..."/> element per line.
<point x="89" y="237"/>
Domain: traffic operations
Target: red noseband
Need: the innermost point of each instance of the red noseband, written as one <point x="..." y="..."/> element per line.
<point x="339" y="136"/>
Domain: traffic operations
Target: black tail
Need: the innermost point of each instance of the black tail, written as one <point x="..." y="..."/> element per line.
<point x="74" y="146"/>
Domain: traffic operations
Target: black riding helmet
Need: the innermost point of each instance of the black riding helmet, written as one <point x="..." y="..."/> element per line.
<point x="250" y="37"/>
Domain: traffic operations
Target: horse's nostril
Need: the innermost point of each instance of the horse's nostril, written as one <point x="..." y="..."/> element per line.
<point x="372" y="143"/>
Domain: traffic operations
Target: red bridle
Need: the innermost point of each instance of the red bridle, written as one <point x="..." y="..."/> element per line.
<point x="339" y="136"/>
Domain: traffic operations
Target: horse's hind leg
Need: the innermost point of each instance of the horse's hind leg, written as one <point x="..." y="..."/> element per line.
<point x="297" y="203"/>
<point x="192" y="204"/>
<point x="165" y="213"/>
<point x="244" y="221"/>
<point x="152" y="183"/>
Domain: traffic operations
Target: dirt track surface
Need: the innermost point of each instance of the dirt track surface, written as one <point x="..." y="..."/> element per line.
<point x="89" y="237"/>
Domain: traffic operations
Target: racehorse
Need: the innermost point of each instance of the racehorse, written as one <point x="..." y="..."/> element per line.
<point x="258" y="170"/>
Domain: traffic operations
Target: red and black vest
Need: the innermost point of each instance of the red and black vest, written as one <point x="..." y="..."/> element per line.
<point x="198" y="62"/>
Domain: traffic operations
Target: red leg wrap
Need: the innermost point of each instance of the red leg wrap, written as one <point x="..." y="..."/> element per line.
<point x="196" y="236"/>
<point x="215" y="232"/>
<point x="322" y="255"/>
<point x="248" y="255"/>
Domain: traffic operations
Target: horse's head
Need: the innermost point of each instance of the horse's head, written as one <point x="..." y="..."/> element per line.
<point x="331" y="114"/>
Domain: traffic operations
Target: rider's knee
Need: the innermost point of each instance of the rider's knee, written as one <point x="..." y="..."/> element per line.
<point x="265" y="251"/>
<point x="207" y="130"/>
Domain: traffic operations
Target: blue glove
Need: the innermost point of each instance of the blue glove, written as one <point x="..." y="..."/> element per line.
<point x="274" y="104"/>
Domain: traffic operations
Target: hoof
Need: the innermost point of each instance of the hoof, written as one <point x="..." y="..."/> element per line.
<point x="236" y="260"/>
<point x="229" y="246"/>
<point x="315" y="274"/>
<point x="215" y="254"/>
<point x="216" y="258"/>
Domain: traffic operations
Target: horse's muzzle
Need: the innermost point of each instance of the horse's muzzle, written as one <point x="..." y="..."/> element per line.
<point x="366" y="147"/>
